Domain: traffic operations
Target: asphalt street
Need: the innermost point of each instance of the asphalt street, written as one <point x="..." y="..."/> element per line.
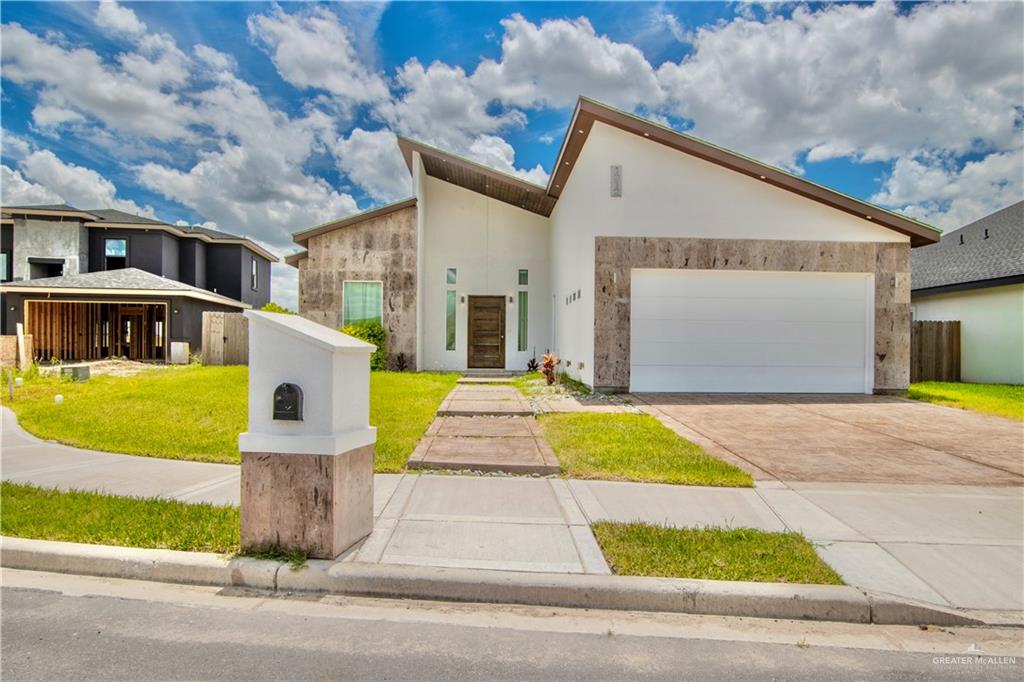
<point x="58" y="627"/>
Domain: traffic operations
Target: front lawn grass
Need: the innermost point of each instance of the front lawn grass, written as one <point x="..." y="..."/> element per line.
<point x="1003" y="400"/>
<point x="94" y="518"/>
<point x="712" y="554"/>
<point x="196" y="413"/>
<point x="633" y="447"/>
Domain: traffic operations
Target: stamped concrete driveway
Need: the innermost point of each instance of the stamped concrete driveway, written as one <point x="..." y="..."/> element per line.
<point x="848" y="438"/>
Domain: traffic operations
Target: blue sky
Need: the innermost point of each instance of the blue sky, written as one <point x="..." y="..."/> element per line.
<point x="267" y="118"/>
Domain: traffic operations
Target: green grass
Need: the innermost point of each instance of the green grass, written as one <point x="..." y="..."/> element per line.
<point x="196" y="413"/>
<point x="712" y="554"/>
<point x="93" y="518"/>
<point x="534" y="383"/>
<point x="1003" y="400"/>
<point x="633" y="447"/>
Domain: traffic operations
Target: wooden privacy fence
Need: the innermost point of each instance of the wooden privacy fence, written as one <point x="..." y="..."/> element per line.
<point x="225" y="339"/>
<point x="934" y="351"/>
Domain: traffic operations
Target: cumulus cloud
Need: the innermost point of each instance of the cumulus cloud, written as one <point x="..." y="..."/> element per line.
<point x="43" y="178"/>
<point x="313" y="49"/>
<point x="113" y="17"/>
<point x="76" y="83"/>
<point x="936" y="191"/>
<point x="866" y="82"/>
<point x="373" y="161"/>
<point x="549" y="64"/>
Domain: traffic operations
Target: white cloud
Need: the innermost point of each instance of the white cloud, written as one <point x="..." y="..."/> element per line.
<point x="372" y="160"/>
<point x="551" y="63"/>
<point x="77" y="80"/>
<point x="284" y="284"/>
<point x="15" y="190"/>
<point x="495" y="152"/>
<point x="113" y="17"/>
<point x="868" y="82"/>
<point x="42" y="178"/>
<point x="15" y="147"/>
<point x="313" y="49"/>
<point x="936" y="191"/>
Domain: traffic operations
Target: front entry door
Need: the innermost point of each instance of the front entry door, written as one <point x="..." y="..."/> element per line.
<point x="486" y="332"/>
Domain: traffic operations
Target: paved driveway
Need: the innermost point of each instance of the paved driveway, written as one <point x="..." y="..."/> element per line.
<point x="848" y="438"/>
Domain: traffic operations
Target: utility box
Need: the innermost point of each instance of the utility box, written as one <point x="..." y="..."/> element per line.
<point x="307" y="458"/>
<point x="180" y="352"/>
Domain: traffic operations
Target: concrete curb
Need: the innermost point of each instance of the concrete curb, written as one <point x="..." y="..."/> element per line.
<point x="708" y="597"/>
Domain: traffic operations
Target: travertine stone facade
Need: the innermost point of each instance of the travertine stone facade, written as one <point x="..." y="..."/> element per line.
<point x="616" y="256"/>
<point x="383" y="249"/>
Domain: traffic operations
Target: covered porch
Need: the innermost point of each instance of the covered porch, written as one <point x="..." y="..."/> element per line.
<point x="92" y="330"/>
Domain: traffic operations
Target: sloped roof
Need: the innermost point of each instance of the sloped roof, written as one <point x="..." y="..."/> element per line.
<point x="123" y="281"/>
<point x="112" y="215"/>
<point x="303" y="236"/>
<point x="541" y="200"/>
<point x="985" y="253"/>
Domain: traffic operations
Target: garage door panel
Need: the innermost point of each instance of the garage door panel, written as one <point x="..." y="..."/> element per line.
<point x="750" y="309"/>
<point x="731" y="354"/>
<point x="740" y="284"/>
<point x="746" y="379"/>
<point x="718" y="331"/>
<point x="665" y="330"/>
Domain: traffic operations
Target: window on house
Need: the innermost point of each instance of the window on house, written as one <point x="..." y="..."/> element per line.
<point x="449" y="321"/>
<point x="524" y="277"/>
<point x="254" y="274"/>
<point x="158" y="334"/>
<point x="524" y="316"/>
<point x="451" y="276"/>
<point x="5" y="273"/>
<point x="362" y="302"/>
<point x="115" y="254"/>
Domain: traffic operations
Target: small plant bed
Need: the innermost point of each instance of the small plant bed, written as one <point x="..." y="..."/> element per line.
<point x="94" y="518"/>
<point x="633" y="447"/>
<point x="196" y="413"/>
<point x="712" y="554"/>
<point x="1002" y="400"/>
<point x="534" y="384"/>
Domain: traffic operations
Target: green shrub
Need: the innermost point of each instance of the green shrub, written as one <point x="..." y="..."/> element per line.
<point x="371" y="332"/>
<point x="272" y="307"/>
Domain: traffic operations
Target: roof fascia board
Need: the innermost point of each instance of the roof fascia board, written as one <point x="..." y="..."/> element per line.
<point x="49" y="212"/>
<point x="302" y="237"/>
<point x="966" y="286"/>
<point x="171" y="229"/>
<point x="83" y="291"/>
<point x="293" y="259"/>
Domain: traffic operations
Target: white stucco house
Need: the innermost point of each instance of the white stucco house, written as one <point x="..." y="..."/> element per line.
<point x="651" y="261"/>
<point x="976" y="275"/>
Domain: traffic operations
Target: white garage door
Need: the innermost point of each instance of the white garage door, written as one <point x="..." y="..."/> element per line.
<point x="751" y="332"/>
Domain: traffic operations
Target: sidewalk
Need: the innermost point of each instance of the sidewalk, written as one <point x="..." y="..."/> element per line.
<point x="948" y="545"/>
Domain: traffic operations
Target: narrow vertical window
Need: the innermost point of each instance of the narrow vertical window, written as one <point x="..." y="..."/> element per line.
<point x="524" y="316"/>
<point x="449" y="321"/>
<point x="254" y="271"/>
<point x="158" y="334"/>
<point x="451" y="276"/>
<point x="524" y="277"/>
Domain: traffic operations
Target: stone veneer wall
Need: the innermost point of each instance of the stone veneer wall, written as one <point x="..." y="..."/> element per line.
<point x="616" y="256"/>
<point x="383" y="249"/>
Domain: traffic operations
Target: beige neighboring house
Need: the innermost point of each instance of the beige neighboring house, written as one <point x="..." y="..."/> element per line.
<point x="650" y="261"/>
<point x="976" y="275"/>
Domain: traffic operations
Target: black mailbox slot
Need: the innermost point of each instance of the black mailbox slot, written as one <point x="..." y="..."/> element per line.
<point x="288" y="402"/>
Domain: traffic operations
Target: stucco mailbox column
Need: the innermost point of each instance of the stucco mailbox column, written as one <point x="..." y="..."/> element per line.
<point x="307" y="458"/>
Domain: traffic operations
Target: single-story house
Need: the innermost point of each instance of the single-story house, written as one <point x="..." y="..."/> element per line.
<point x="650" y="261"/>
<point x="976" y="275"/>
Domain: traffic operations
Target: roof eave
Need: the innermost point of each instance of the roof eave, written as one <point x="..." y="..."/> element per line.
<point x="302" y="237"/>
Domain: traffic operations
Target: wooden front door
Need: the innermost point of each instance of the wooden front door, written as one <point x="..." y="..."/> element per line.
<point x="486" y="332"/>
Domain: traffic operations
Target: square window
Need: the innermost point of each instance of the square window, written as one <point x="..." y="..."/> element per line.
<point x="362" y="302"/>
<point x="115" y="254"/>
<point x="451" y="276"/>
<point x="524" y="277"/>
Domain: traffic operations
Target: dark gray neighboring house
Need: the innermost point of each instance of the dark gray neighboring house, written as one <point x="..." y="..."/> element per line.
<point x="103" y="282"/>
<point x="976" y="275"/>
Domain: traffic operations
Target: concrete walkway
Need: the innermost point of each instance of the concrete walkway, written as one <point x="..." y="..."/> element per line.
<point x="947" y="545"/>
<point x="485" y="427"/>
